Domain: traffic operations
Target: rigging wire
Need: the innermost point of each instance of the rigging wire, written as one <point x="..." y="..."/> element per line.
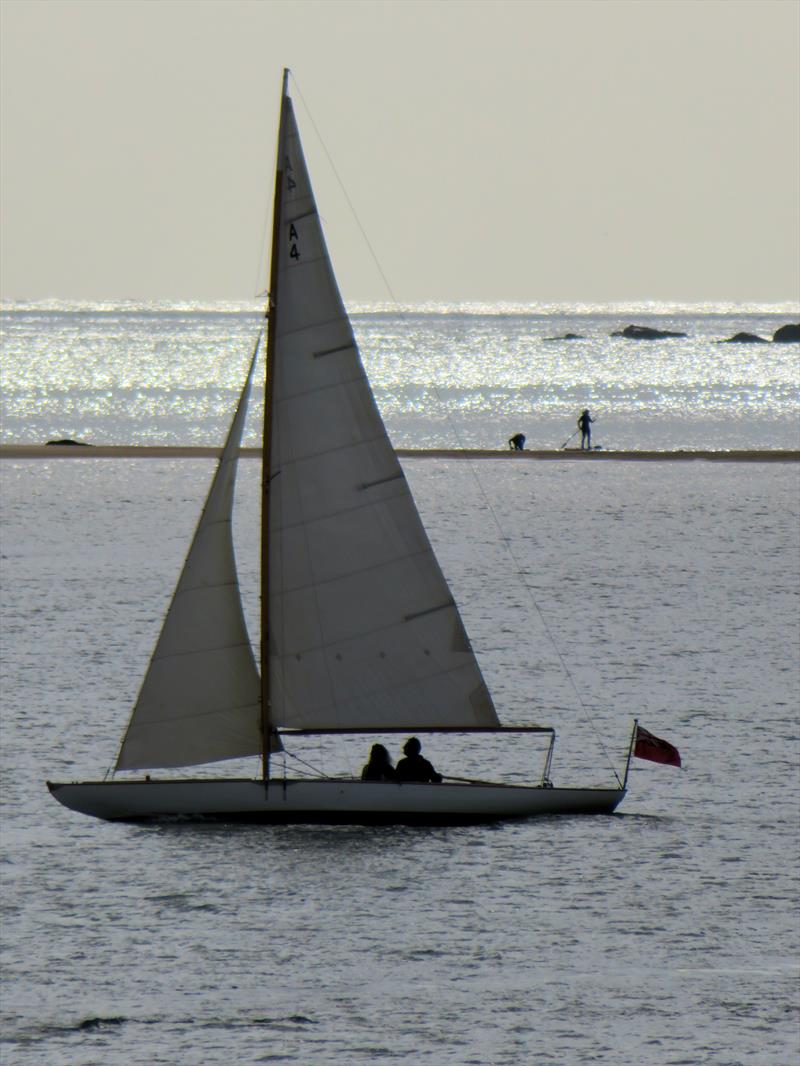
<point x="346" y="196"/>
<point x="261" y="282"/>
<point x="540" y="613"/>
<point x="313" y="771"/>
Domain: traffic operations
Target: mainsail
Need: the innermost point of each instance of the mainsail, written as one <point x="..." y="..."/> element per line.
<point x="363" y="630"/>
<point x="200" y="700"/>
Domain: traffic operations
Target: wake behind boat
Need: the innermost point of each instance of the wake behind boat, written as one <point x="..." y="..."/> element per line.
<point x="360" y="631"/>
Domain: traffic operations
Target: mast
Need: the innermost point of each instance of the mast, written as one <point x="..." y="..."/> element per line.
<point x="272" y="301"/>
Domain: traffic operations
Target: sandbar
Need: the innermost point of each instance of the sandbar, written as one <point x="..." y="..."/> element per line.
<point x="124" y="451"/>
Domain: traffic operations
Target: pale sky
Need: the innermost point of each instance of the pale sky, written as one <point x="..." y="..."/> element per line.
<point x="531" y="150"/>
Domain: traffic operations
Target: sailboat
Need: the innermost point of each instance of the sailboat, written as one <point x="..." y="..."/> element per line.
<point x="360" y="631"/>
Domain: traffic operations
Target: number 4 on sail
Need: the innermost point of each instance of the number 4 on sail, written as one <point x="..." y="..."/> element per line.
<point x="360" y="632"/>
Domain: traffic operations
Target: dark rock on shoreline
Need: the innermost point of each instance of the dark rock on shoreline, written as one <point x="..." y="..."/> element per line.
<point x="73" y="443"/>
<point x="789" y="334"/>
<point x="744" y="338"/>
<point x="645" y="333"/>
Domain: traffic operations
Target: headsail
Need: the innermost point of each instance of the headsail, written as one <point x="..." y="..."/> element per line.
<point x="200" y="700"/>
<point x="363" y="630"/>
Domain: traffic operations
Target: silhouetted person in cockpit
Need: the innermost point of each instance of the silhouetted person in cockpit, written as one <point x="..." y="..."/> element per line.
<point x="379" y="767"/>
<point x="413" y="767"/>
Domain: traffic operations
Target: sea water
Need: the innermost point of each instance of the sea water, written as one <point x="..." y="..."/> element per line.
<point x="445" y="376"/>
<point x="593" y="593"/>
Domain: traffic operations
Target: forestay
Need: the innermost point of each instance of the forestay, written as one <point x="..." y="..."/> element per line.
<point x="363" y="630"/>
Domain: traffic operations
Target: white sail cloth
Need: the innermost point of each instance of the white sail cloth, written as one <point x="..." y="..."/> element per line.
<point x="362" y="628"/>
<point x="201" y="697"/>
<point x="363" y="631"/>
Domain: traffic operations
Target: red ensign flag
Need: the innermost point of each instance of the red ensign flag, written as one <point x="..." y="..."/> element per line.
<point x="655" y="749"/>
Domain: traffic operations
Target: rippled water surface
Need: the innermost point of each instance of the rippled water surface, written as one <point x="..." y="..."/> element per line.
<point x="667" y="934"/>
<point x="443" y="377"/>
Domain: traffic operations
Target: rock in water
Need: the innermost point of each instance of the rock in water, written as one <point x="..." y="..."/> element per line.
<point x="645" y="333"/>
<point x="789" y="334"/>
<point x="744" y="338"/>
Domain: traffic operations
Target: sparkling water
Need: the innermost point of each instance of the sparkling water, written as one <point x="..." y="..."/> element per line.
<point x="446" y="377"/>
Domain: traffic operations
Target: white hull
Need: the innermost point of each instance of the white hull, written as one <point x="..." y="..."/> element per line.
<point x="331" y="801"/>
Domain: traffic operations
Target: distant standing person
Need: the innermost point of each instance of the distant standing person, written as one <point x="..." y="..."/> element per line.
<point x="585" y="426"/>
<point x="517" y="442"/>
<point x="414" y="767"/>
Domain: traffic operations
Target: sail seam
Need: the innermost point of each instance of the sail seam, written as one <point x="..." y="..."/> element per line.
<point x="381" y="481"/>
<point x="361" y="505"/>
<point x="339" y="319"/>
<point x="354" y="638"/>
<point x="333" y="351"/>
<point x="201" y="651"/>
<point x="369" y="442"/>
<point x="363" y="570"/>
<point x="199" y="714"/>
<point x="322" y="388"/>
<point x="430" y="610"/>
<point x="303" y="214"/>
